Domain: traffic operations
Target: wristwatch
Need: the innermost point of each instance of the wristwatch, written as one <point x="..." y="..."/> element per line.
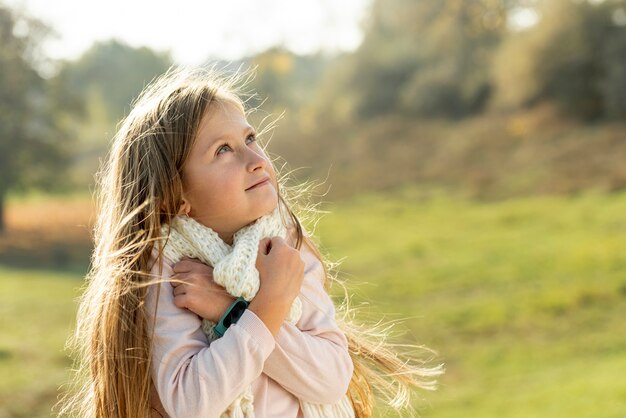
<point x="232" y="315"/>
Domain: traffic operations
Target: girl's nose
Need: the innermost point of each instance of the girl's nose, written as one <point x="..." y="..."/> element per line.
<point x="257" y="159"/>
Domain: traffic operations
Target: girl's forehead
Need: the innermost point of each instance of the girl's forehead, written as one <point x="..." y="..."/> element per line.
<point x="225" y="100"/>
<point x="221" y="119"/>
<point x="223" y="113"/>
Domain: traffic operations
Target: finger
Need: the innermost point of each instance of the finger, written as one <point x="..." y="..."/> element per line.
<point x="175" y="281"/>
<point x="181" y="301"/>
<point x="191" y="262"/>
<point x="193" y="265"/>
<point x="278" y="242"/>
<point x="180" y="290"/>
<point x="181" y="278"/>
<point x="183" y="266"/>
<point x="265" y="246"/>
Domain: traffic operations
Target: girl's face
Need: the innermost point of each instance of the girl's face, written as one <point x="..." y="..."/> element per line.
<point x="228" y="181"/>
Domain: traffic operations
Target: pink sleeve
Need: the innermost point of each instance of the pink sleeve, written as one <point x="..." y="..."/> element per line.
<point x="311" y="358"/>
<point x="192" y="378"/>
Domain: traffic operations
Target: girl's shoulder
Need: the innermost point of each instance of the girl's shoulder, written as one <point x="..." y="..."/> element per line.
<point x="313" y="264"/>
<point x="157" y="258"/>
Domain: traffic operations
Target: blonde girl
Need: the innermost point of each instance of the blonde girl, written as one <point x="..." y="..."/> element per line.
<point x="186" y="155"/>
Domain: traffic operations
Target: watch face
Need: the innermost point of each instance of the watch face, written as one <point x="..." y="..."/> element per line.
<point x="231" y="316"/>
<point x="235" y="313"/>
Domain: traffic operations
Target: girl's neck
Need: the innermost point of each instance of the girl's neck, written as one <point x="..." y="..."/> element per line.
<point x="228" y="238"/>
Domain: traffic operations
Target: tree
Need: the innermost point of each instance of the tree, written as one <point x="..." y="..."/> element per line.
<point x="115" y="73"/>
<point x="424" y="58"/>
<point x="613" y="85"/>
<point x="31" y="148"/>
<point x="575" y="56"/>
<point x="101" y="84"/>
<point x="285" y="79"/>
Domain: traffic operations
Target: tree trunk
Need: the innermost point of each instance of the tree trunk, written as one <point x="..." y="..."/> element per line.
<point x="2" y="225"/>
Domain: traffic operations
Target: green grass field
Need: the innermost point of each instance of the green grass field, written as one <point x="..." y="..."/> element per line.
<point x="523" y="300"/>
<point x="36" y="315"/>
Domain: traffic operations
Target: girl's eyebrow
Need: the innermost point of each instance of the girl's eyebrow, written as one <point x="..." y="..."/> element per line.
<point x="248" y="129"/>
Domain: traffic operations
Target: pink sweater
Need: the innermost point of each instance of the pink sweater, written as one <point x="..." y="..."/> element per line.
<point x="193" y="379"/>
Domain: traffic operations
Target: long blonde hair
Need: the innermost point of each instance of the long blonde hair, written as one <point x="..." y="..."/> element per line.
<point x="140" y="189"/>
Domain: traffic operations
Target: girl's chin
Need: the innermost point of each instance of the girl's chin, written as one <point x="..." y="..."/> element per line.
<point x="269" y="204"/>
<point x="267" y="211"/>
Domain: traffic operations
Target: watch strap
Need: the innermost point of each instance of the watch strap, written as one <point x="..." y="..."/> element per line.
<point x="231" y="316"/>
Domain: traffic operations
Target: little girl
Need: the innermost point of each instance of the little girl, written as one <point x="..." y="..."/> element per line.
<point x="206" y="296"/>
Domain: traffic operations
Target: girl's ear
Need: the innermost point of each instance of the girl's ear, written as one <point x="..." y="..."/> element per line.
<point x="185" y="207"/>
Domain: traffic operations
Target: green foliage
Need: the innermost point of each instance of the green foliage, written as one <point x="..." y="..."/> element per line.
<point x="450" y="93"/>
<point x="100" y="86"/>
<point x="284" y="80"/>
<point x="33" y="149"/>
<point x="574" y="57"/>
<point x="114" y="73"/>
<point x="613" y="83"/>
<point x="423" y="58"/>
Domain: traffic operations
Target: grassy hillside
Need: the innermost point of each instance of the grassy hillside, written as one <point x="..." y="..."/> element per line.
<point x="524" y="301"/>
<point x="494" y="156"/>
<point x="48" y="232"/>
<point x="36" y="316"/>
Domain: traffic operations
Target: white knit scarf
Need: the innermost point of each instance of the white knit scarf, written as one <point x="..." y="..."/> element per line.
<point x="234" y="269"/>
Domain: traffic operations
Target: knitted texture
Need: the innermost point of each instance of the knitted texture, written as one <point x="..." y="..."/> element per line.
<point x="234" y="268"/>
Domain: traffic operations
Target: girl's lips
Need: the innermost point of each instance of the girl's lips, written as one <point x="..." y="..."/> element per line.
<point x="260" y="183"/>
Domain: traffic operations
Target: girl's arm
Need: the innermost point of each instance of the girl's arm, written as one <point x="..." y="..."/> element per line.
<point x="311" y="358"/>
<point x="191" y="378"/>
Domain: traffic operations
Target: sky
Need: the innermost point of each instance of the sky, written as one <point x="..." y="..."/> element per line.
<point x="194" y="31"/>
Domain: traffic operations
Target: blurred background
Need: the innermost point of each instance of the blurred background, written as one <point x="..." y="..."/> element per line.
<point x="471" y="156"/>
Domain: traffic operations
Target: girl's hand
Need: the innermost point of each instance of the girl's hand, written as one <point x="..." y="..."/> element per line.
<point x="281" y="271"/>
<point x="195" y="290"/>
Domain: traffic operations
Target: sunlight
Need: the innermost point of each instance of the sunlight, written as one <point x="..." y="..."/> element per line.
<point x="196" y="31"/>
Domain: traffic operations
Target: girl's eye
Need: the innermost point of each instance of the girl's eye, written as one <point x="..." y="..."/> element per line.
<point x="250" y="139"/>
<point x="223" y="149"/>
